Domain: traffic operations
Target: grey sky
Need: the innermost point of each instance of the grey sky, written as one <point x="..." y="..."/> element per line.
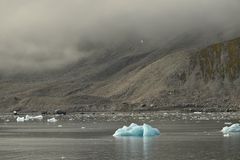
<point x="43" y="34"/>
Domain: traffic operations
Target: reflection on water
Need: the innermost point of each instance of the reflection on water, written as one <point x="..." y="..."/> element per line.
<point x="231" y="145"/>
<point x="181" y="140"/>
<point x="132" y="147"/>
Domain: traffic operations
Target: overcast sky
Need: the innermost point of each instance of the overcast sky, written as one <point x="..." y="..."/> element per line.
<point x="45" y="34"/>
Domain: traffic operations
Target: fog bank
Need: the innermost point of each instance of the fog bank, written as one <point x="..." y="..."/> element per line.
<point x="48" y="34"/>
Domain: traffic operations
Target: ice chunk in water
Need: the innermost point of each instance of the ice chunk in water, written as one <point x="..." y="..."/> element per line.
<point x="197" y="112"/>
<point x="137" y="130"/>
<point x="27" y="117"/>
<point x="52" y="120"/>
<point x="20" y="119"/>
<point x="233" y="128"/>
<point x="40" y="117"/>
<point x="228" y="123"/>
<point x="149" y="131"/>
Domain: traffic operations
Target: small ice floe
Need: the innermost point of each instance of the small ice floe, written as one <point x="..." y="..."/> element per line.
<point x="165" y="114"/>
<point x="228" y="123"/>
<point x="20" y="119"/>
<point x="226" y="135"/>
<point x="83" y="127"/>
<point x="144" y="130"/>
<point x="142" y="41"/>
<point x="233" y="128"/>
<point x="197" y="112"/>
<point x="39" y="117"/>
<point x="52" y="120"/>
<point x="27" y="117"/>
<point x="60" y="126"/>
<point x="7" y="120"/>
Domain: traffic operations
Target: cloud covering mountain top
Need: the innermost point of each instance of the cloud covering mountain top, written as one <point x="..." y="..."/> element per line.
<point x="48" y="34"/>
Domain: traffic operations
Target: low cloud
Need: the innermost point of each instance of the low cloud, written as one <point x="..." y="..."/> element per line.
<point x="49" y="34"/>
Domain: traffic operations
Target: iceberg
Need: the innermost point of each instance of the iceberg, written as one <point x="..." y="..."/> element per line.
<point x="20" y="119"/>
<point x="52" y="120"/>
<point x="144" y="130"/>
<point x="233" y="128"/>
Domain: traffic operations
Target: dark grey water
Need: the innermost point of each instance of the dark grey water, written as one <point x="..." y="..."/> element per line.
<point x="179" y="140"/>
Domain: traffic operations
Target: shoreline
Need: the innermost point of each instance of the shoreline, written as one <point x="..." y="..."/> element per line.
<point x="132" y="116"/>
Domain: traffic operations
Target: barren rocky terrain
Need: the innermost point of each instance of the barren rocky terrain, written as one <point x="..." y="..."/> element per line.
<point x="141" y="78"/>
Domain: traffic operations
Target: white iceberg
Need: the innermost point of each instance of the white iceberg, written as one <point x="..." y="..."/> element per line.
<point x="137" y="130"/>
<point x="27" y="117"/>
<point x="233" y="128"/>
<point x="20" y="119"/>
<point x="52" y="120"/>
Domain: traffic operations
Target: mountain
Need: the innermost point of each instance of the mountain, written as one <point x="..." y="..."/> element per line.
<point x="134" y="77"/>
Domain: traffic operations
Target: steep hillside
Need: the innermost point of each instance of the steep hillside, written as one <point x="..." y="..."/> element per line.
<point x="221" y="61"/>
<point x="134" y="78"/>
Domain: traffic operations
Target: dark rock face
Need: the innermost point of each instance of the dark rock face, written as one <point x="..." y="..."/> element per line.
<point x="44" y="112"/>
<point x="221" y="61"/>
<point x="61" y="112"/>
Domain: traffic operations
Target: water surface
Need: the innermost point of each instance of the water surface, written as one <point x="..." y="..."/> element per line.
<point x="91" y="140"/>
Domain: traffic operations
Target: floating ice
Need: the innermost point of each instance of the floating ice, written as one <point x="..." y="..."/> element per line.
<point x="226" y="135"/>
<point x="40" y="117"/>
<point x="228" y="123"/>
<point x="20" y="119"/>
<point x="27" y="117"/>
<point x="233" y="128"/>
<point x="137" y="130"/>
<point x="52" y="120"/>
<point x="197" y="112"/>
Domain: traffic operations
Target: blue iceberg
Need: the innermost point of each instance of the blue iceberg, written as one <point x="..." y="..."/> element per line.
<point x="233" y="128"/>
<point x="137" y="130"/>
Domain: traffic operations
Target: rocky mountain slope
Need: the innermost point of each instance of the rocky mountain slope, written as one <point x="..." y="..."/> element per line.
<point x="140" y="78"/>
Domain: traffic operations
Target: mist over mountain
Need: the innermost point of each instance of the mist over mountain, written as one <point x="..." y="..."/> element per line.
<point x="42" y="35"/>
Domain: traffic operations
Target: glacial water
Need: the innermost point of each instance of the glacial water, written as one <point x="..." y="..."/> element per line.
<point x="91" y="139"/>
